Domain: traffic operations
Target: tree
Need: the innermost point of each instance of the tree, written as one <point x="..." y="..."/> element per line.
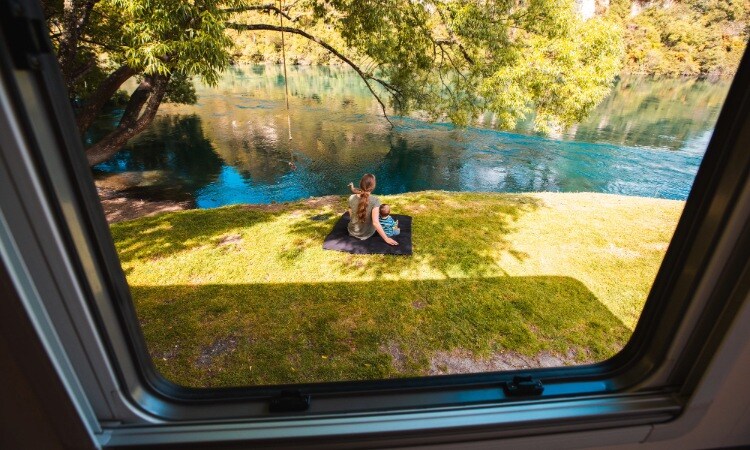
<point x="103" y="43"/>
<point x="445" y="59"/>
<point x="693" y="38"/>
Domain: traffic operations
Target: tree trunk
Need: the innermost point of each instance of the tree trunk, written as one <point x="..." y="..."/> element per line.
<point x="149" y="93"/>
<point x="93" y="105"/>
<point x="75" y="18"/>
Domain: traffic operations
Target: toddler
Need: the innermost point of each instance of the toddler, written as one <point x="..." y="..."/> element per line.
<point x="390" y="226"/>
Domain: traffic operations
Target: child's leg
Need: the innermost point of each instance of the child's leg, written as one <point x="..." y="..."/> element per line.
<point x="396" y="232"/>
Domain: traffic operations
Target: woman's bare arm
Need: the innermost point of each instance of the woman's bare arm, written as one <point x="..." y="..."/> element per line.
<point x="379" y="229"/>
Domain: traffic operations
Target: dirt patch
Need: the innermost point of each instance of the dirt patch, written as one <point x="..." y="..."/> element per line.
<point x="461" y="361"/>
<point x="313" y="202"/>
<point x="166" y="355"/>
<point x="621" y="252"/>
<point x="230" y="239"/>
<point x="118" y="207"/>
<point x="217" y="348"/>
<point x="659" y="246"/>
<point x="398" y="358"/>
<point x="327" y="200"/>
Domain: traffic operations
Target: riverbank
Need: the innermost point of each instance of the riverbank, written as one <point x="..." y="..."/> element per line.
<point x="246" y="295"/>
<point x="119" y="207"/>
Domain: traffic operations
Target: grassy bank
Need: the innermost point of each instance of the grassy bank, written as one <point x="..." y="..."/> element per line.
<point x="246" y="294"/>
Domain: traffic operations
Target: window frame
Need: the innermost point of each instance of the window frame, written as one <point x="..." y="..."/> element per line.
<point x="57" y="245"/>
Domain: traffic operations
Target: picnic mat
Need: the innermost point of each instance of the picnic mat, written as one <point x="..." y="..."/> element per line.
<point x="339" y="239"/>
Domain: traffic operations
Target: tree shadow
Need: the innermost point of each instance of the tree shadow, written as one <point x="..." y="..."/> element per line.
<point x="166" y="234"/>
<point x="171" y="160"/>
<point x="453" y="233"/>
<point x="260" y="334"/>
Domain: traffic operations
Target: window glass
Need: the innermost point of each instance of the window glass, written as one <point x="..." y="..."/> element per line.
<point x="535" y="160"/>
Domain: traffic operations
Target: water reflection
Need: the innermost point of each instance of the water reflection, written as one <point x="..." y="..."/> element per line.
<point x="646" y="139"/>
<point x="657" y="114"/>
<point x="175" y="155"/>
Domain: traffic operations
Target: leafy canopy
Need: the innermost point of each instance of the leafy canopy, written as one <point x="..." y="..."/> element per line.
<point x="445" y="59"/>
<point x="169" y="37"/>
<point x="456" y="59"/>
<point x="695" y="38"/>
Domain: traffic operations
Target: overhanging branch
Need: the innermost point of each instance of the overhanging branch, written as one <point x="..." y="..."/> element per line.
<point x="366" y="78"/>
<point x="268" y="8"/>
<point x="464" y="53"/>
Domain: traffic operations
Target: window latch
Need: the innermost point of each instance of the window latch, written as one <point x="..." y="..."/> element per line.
<point x="523" y="386"/>
<point x="289" y="401"/>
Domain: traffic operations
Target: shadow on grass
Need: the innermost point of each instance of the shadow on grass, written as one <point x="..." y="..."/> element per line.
<point x="455" y="234"/>
<point x="259" y="334"/>
<point x="166" y="234"/>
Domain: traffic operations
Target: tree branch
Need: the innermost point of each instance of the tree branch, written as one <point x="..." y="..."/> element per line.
<point x="150" y="92"/>
<point x="464" y="53"/>
<point x="396" y="94"/>
<point x="82" y="70"/>
<point x="453" y="39"/>
<point x="268" y="8"/>
<point x="365" y="78"/>
<point x="99" y="44"/>
<point x="93" y="105"/>
<point x="76" y="15"/>
<point x="444" y="55"/>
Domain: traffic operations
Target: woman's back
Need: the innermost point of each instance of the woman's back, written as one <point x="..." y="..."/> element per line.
<point x="362" y="229"/>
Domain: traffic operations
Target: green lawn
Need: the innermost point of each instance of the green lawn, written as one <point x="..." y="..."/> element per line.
<point x="246" y="295"/>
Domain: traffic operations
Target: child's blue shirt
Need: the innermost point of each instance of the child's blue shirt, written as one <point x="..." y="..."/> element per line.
<point x="387" y="223"/>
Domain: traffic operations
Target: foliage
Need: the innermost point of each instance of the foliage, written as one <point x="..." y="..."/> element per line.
<point x="264" y="47"/>
<point x="450" y="59"/>
<point x="668" y="113"/>
<point x="457" y="59"/>
<point x="181" y="39"/>
<point x="491" y="274"/>
<point x="169" y="37"/>
<point x="694" y="38"/>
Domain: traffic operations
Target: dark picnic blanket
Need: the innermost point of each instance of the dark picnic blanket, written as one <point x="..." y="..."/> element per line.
<point x="339" y="239"/>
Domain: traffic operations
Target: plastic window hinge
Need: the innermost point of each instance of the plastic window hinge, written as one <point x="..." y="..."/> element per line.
<point x="523" y="386"/>
<point x="289" y="401"/>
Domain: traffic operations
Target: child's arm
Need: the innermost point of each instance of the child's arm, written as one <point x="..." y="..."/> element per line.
<point x="353" y="189"/>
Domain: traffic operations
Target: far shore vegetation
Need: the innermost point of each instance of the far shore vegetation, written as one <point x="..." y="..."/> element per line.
<point x="245" y="294"/>
<point x="702" y="39"/>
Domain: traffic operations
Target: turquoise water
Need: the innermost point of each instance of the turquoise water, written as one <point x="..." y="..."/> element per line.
<point x="646" y="139"/>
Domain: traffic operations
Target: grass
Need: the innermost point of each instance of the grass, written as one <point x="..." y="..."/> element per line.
<point x="246" y="295"/>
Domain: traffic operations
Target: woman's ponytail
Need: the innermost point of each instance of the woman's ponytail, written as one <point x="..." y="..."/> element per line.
<point x="364" y="199"/>
<point x="366" y="186"/>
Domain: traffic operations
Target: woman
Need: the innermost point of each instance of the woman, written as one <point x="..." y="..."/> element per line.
<point x="364" y="211"/>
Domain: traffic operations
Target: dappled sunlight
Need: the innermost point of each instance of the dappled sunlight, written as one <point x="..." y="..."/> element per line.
<point x="454" y="235"/>
<point x="169" y="234"/>
<point x="612" y="244"/>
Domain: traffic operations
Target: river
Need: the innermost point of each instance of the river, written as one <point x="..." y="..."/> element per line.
<point x="646" y="139"/>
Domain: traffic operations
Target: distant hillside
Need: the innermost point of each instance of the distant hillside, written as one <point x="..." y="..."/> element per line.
<point x="673" y="38"/>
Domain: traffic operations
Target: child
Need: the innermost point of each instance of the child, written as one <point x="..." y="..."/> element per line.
<point x="390" y="226"/>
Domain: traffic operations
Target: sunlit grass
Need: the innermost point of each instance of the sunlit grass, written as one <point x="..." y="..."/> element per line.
<point x="246" y="294"/>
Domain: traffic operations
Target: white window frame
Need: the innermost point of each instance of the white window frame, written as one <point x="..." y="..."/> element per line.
<point x="56" y="248"/>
